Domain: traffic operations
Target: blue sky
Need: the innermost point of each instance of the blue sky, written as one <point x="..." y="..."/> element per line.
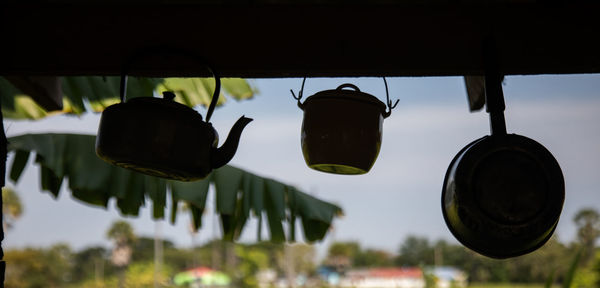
<point x="400" y="196"/>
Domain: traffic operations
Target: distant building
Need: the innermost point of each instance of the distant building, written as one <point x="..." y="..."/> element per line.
<point x="447" y="277"/>
<point x="384" y="278"/>
<point x="266" y="278"/>
<point x="329" y="275"/>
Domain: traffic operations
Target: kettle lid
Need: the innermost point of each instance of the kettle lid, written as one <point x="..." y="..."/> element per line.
<point x="167" y="103"/>
<point x="350" y="95"/>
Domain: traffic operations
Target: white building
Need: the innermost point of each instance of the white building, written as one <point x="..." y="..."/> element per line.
<point x="384" y="278"/>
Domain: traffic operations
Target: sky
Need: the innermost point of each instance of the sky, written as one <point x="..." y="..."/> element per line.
<point x="400" y="196"/>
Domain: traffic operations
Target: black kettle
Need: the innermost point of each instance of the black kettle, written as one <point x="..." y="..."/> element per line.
<point x="502" y="194"/>
<point x="163" y="138"/>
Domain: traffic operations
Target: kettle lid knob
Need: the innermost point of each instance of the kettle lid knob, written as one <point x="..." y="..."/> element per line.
<point x="168" y="95"/>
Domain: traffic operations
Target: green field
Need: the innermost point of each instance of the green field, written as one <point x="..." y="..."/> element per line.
<point x="505" y="285"/>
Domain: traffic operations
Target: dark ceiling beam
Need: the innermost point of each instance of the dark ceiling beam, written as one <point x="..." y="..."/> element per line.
<point x="287" y="40"/>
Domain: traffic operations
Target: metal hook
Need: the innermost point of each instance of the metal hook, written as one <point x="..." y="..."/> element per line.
<point x="299" y="94"/>
<point x="123" y="86"/>
<point x="389" y="102"/>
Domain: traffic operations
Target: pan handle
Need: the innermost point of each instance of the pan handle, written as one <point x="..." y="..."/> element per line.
<point x="494" y="98"/>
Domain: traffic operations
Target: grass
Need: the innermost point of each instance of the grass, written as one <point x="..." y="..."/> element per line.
<point x="504" y="285"/>
<point x="566" y="283"/>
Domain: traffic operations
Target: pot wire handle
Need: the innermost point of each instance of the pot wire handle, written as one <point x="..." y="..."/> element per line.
<point x="389" y="104"/>
<point x="300" y="105"/>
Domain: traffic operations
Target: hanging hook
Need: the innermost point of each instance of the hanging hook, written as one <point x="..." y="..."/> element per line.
<point x="300" y="105"/>
<point x="494" y="97"/>
<point x="388" y="101"/>
<point x="123" y="87"/>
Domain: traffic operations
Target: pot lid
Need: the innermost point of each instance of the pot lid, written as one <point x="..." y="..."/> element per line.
<point x="352" y="95"/>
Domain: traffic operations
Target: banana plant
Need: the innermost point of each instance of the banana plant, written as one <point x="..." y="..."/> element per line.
<point x="94" y="93"/>
<point x="239" y="193"/>
<point x="570" y="276"/>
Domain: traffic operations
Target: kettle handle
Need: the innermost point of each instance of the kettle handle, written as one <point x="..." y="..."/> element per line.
<point x="216" y="92"/>
<point x="158" y="50"/>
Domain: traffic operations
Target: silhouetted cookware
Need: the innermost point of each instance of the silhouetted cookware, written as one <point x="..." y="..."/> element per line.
<point x="160" y="137"/>
<point x="502" y="194"/>
<point x="342" y="129"/>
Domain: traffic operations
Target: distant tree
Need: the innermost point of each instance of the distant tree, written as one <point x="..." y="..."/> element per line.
<point x="141" y="274"/>
<point x="26" y="270"/>
<point x="341" y="255"/>
<point x="39" y="268"/>
<point x="123" y="237"/>
<point x="251" y="261"/>
<point x="182" y="259"/>
<point x="91" y="263"/>
<point x="348" y="249"/>
<point x="373" y="258"/>
<point x="12" y="209"/>
<point x="450" y="254"/>
<point x="59" y="259"/>
<point x="527" y="269"/>
<point x="588" y="224"/>
<point x="275" y="252"/>
<point x="298" y="259"/>
<point x="554" y="255"/>
<point x="143" y="248"/>
<point x="415" y="251"/>
<point x="304" y="258"/>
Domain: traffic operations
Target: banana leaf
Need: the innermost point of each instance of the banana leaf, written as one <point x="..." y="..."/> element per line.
<point x="239" y="193"/>
<point x="95" y="93"/>
<point x="568" y="278"/>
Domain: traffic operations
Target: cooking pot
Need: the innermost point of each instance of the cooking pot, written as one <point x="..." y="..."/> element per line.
<point x="342" y="129"/>
<point x="502" y="194"/>
<point x="160" y="137"/>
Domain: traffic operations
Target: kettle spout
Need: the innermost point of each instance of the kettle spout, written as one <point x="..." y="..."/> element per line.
<point x="222" y="155"/>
